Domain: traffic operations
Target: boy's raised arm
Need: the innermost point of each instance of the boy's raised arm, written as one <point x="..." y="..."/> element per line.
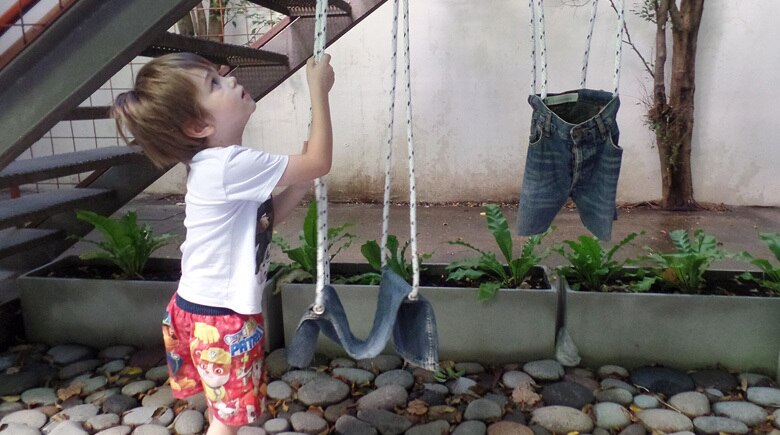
<point x="315" y="160"/>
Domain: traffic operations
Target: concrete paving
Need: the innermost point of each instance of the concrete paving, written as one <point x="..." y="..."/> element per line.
<point x="736" y="228"/>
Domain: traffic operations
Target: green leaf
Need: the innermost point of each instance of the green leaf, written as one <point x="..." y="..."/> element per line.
<point x="310" y="226"/>
<point x="305" y="257"/>
<point x="291" y="275"/>
<point x="681" y="241"/>
<point x="125" y="243"/>
<point x="498" y="226"/>
<point x="368" y="278"/>
<point x="280" y="242"/>
<point x="487" y="291"/>
<point x="372" y="254"/>
<point x="590" y="266"/>
<point x="763" y="264"/>
<point x="772" y="241"/>
<point x="461" y="243"/>
<point x="626" y="240"/>
<point x="684" y="269"/>
<point x="464" y="274"/>
<point x="644" y="284"/>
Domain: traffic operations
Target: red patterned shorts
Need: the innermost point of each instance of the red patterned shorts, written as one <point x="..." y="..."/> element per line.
<point x="219" y="352"/>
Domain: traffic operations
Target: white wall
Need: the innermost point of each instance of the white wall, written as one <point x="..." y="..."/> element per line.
<point x="470" y="80"/>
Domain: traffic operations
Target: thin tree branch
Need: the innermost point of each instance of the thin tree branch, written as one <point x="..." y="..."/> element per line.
<point x="647" y="65"/>
<point x="659" y="88"/>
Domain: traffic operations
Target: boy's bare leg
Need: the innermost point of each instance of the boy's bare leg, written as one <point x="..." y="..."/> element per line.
<point x="216" y="427"/>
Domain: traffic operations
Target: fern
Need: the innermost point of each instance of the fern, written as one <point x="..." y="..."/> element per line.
<point x="125" y="243"/>
<point x="396" y="259"/>
<point x="486" y="267"/>
<point x="590" y="266"/>
<point x="683" y="269"/>
<point x="769" y="275"/>
<point x="303" y="258"/>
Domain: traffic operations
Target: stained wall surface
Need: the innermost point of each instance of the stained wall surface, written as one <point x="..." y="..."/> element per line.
<point x="470" y="70"/>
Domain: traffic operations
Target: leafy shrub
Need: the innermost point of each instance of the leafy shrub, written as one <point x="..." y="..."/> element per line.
<point x="590" y="265"/>
<point x="396" y="261"/>
<point x="493" y="273"/>
<point x="125" y="243"/>
<point x="303" y="259"/>
<point x="769" y="277"/>
<point x="683" y="269"/>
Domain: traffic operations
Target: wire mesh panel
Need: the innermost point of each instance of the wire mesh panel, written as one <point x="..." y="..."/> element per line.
<point x="237" y="22"/>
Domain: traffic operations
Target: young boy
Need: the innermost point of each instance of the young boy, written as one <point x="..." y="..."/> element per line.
<point x="182" y="110"/>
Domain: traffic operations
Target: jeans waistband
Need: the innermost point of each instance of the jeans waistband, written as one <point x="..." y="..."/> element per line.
<point x="552" y="124"/>
<point x="203" y="310"/>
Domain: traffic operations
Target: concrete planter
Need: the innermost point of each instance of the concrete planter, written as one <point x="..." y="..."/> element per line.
<point x="679" y="330"/>
<point x="104" y="312"/>
<point x="517" y="325"/>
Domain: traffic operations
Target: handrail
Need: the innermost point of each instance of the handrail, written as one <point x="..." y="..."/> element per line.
<point x="17" y="9"/>
<point x="13" y="14"/>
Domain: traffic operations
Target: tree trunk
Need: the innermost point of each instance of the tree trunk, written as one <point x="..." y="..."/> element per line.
<point x="672" y="117"/>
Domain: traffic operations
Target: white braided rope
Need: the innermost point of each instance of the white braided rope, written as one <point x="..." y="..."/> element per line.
<point x="321" y="189"/>
<point x="538" y="37"/>
<point x="532" y="29"/>
<point x="542" y="41"/>
<point x="619" y="44"/>
<point x="591" y="25"/>
<point x="410" y="147"/>
<point x="390" y="125"/>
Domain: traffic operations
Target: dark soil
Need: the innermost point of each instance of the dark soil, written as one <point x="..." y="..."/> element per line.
<point x="718" y="283"/>
<point x="535" y="280"/>
<point x="105" y="271"/>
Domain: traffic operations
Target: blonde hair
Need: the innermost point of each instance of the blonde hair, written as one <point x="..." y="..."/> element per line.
<point x="162" y="103"/>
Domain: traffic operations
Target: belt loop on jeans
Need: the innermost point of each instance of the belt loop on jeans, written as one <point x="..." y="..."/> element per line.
<point x="602" y="128"/>
<point x="547" y="124"/>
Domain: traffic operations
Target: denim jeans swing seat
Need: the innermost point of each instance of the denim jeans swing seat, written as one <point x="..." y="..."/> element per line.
<point x="411" y="322"/>
<point x="573" y="147"/>
<point x="400" y="310"/>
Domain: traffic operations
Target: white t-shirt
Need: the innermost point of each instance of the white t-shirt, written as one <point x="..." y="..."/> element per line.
<point x="225" y="186"/>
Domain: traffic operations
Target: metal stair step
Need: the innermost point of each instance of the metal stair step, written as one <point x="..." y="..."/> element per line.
<point x="44" y="168"/>
<point x="303" y="8"/>
<point x="42" y="205"/>
<point x="219" y="53"/>
<point x="88" y="113"/>
<point x="17" y="240"/>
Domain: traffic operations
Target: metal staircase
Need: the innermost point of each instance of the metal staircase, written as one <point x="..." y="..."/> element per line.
<point x="86" y="45"/>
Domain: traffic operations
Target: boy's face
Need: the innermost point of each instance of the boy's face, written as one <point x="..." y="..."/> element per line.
<point x="226" y="102"/>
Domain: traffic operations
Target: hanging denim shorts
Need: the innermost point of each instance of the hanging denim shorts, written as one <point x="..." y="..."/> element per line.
<point x="573" y="152"/>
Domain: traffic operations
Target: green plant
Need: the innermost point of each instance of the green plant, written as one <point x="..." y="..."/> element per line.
<point x="396" y="259"/>
<point x="446" y="371"/>
<point x="683" y="269"/>
<point x="486" y="267"/>
<point x="125" y="243"/>
<point x="303" y="258"/>
<point x="769" y="275"/>
<point x="590" y="265"/>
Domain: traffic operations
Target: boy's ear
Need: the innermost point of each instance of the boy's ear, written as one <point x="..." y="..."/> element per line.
<point x="198" y="129"/>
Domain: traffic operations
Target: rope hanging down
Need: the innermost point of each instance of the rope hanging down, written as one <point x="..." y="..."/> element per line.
<point x="389" y="144"/>
<point x="538" y="37"/>
<point x="400" y="311"/>
<point x="410" y="150"/>
<point x="320" y="187"/>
